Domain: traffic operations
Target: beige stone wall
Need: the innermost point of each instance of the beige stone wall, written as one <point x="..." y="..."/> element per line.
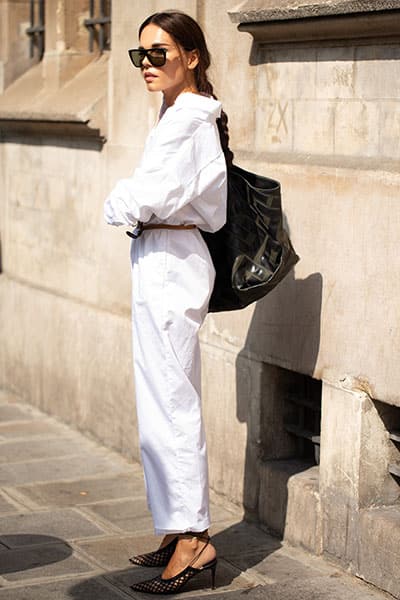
<point x="14" y="45"/>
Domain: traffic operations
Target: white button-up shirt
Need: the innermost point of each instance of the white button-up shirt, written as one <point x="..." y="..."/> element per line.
<point x="182" y="175"/>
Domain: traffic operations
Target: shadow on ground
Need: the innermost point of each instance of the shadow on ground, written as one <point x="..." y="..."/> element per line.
<point x="29" y="551"/>
<point x="240" y="547"/>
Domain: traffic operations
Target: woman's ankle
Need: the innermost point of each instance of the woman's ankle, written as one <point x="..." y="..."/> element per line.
<point x="167" y="539"/>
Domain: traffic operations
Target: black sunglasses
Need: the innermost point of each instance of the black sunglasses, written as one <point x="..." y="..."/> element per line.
<point x="156" y="56"/>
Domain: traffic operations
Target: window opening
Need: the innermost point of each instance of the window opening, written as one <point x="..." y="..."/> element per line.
<point x="394" y="467"/>
<point x="99" y="24"/>
<point x="303" y="420"/>
<point x="36" y="29"/>
<point x="390" y="417"/>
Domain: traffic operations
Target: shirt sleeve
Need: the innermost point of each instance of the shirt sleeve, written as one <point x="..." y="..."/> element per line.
<point x="169" y="174"/>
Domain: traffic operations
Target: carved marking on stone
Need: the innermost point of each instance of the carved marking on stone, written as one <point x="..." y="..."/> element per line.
<point x="277" y="122"/>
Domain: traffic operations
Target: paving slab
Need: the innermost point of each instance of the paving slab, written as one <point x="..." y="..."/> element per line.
<point x="68" y="524"/>
<point x="43" y="428"/>
<point x="224" y="515"/>
<point x="53" y="469"/>
<point x="6" y="506"/>
<point x="114" y="552"/>
<point x="84" y="491"/>
<point x="41" y="561"/>
<point x="307" y="589"/>
<point x="17" y="451"/>
<point x="130" y="516"/>
<point x="277" y="565"/>
<point x="17" y="412"/>
<point x="243" y="539"/>
<point x="73" y="589"/>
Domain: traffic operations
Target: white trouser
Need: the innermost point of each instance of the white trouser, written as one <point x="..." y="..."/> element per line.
<point x="172" y="277"/>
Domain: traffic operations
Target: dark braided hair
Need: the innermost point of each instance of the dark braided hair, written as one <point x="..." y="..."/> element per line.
<point x="188" y="34"/>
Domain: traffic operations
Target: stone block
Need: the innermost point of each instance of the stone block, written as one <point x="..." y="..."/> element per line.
<point x="84" y="491"/>
<point x="236" y="93"/>
<point x="67" y="524"/>
<point x="221" y="331"/>
<point x="335" y="72"/>
<point x="389" y="129"/>
<point x="339" y="481"/>
<point x="274" y="125"/>
<point x="314" y="122"/>
<point x="357" y="130"/>
<point x="273" y="497"/>
<point x="303" y="515"/>
<point x="377" y="452"/>
<point x="379" y="554"/>
<point x="284" y="74"/>
<point x="378" y="72"/>
<point x="50" y="560"/>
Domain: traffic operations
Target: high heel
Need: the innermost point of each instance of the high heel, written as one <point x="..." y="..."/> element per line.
<point x="158" y="585"/>
<point x="158" y="558"/>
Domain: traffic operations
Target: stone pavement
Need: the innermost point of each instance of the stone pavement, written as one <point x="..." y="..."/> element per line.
<point x="72" y="512"/>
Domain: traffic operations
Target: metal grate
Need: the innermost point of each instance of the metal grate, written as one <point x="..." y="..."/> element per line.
<point x="394" y="468"/>
<point x="36" y="29"/>
<point x="304" y="418"/>
<point x="99" y="24"/>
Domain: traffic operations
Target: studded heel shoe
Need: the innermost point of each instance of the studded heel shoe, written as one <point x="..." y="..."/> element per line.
<point x="158" y="585"/>
<point x="158" y="558"/>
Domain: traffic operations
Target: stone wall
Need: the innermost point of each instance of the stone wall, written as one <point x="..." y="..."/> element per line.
<point x="321" y="117"/>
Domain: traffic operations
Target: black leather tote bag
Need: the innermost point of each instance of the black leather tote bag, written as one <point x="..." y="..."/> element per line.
<point x="252" y="253"/>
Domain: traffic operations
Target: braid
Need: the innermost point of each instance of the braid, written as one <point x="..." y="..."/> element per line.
<point x="205" y="87"/>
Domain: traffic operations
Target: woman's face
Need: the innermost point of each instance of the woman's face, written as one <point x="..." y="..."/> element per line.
<point x="177" y="75"/>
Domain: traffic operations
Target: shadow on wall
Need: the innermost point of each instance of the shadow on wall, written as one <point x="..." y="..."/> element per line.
<point x="321" y="50"/>
<point x="277" y="362"/>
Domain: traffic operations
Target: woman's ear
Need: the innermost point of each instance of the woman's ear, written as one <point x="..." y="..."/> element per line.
<point x="193" y="59"/>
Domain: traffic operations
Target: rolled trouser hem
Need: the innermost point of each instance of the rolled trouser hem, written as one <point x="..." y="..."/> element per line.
<point x="196" y="529"/>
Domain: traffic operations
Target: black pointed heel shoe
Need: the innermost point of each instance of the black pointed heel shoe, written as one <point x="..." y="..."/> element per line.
<point x="158" y="558"/>
<point x="158" y="585"/>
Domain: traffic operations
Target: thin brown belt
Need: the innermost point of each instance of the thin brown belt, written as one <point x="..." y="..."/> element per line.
<point x="166" y="226"/>
<point x="140" y="227"/>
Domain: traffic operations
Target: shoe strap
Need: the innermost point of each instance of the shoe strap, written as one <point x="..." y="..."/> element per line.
<point x="207" y="541"/>
<point x="200" y="536"/>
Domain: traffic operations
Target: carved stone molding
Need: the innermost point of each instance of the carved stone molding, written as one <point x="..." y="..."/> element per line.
<point x="288" y="21"/>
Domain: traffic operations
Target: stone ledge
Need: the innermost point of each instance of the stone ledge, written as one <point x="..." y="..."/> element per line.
<point x="252" y="11"/>
<point x="57" y="100"/>
<point x="377" y="26"/>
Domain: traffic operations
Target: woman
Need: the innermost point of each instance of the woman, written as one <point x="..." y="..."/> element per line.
<point x="178" y="188"/>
